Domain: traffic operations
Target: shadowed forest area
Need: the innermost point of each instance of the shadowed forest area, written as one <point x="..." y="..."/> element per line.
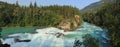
<point x="32" y="15"/>
<point x="108" y="17"/>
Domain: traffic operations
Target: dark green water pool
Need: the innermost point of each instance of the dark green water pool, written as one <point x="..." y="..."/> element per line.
<point x="12" y="30"/>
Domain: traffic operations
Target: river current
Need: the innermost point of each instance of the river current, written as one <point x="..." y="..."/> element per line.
<point x="47" y="37"/>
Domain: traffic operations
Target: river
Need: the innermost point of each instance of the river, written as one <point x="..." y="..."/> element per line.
<point x="46" y="37"/>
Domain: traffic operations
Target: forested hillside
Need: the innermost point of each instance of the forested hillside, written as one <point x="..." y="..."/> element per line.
<point x="108" y="17"/>
<point x="33" y="15"/>
<point x="95" y="5"/>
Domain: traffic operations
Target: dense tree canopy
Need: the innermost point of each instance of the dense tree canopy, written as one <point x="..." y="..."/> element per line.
<point x="108" y="16"/>
<point x="32" y="15"/>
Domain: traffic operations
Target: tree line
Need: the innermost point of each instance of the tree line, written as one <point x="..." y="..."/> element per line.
<point x="33" y="15"/>
<point x="108" y="17"/>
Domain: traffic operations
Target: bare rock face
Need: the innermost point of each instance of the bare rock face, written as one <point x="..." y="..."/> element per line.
<point x="70" y="24"/>
<point x="65" y="25"/>
<point x="77" y="18"/>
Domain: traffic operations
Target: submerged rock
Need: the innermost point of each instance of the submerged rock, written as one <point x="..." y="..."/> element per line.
<point x="58" y="35"/>
<point x="77" y="43"/>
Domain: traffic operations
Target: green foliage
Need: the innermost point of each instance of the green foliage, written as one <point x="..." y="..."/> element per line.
<point x="89" y="41"/>
<point x="72" y="24"/>
<point x="108" y="16"/>
<point x="0" y="36"/>
<point x="5" y="17"/>
<point x="16" y="15"/>
<point x="0" y="43"/>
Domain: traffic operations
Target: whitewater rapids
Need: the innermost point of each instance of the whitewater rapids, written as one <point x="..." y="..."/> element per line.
<point x="46" y="37"/>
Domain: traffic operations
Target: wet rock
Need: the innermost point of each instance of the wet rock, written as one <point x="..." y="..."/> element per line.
<point x="6" y="45"/>
<point x="77" y="43"/>
<point x="58" y="35"/>
<point x="3" y="45"/>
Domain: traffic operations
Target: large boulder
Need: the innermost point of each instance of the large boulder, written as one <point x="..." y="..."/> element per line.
<point x="65" y="25"/>
<point x="70" y="24"/>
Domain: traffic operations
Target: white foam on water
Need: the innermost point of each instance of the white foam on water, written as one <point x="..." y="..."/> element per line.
<point x="18" y="34"/>
<point x="20" y="44"/>
<point x="46" y="37"/>
<point x="9" y="41"/>
<point x="59" y="42"/>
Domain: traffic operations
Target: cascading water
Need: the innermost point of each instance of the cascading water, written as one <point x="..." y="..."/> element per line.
<point x="47" y="37"/>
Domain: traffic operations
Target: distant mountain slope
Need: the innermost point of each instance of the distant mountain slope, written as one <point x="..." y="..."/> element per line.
<point x="95" y="5"/>
<point x="92" y="6"/>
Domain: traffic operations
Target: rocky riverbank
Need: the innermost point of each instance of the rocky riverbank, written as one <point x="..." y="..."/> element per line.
<point x="70" y="24"/>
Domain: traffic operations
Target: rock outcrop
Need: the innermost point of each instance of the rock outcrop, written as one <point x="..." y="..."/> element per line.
<point x="3" y="45"/>
<point x="70" y="24"/>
